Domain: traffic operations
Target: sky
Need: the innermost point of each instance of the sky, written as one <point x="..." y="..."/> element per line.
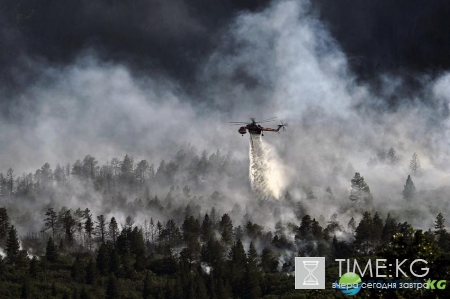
<point x="110" y="77"/>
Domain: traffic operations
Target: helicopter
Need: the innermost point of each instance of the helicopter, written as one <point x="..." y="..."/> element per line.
<point x="254" y="127"/>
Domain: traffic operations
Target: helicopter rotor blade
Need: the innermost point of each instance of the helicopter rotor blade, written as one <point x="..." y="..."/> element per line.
<point x="267" y="120"/>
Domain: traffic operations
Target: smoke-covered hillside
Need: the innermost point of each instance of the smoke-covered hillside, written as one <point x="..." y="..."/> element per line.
<point x="122" y="178"/>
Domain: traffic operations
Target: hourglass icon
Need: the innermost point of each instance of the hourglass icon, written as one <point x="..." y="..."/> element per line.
<point x="310" y="279"/>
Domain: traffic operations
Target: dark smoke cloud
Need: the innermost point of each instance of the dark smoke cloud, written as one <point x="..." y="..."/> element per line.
<point x="175" y="37"/>
<point x="402" y="38"/>
<point x="165" y="36"/>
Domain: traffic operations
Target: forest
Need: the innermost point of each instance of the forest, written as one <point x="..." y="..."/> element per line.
<point x="126" y="229"/>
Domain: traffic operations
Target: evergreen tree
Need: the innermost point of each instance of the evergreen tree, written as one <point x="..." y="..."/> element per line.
<point x="269" y="262"/>
<point x="377" y="228"/>
<point x="206" y="229"/>
<point x="333" y="224"/>
<point x="114" y="261"/>
<point x="389" y="229"/>
<point x="439" y="225"/>
<point x="226" y="229"/>
<point x="68" y="224"/>
<point x="238" y="261"/>
<point x="22" y="260"/>
<point x="392" y="158"/>
<point x="316" y="230"/>
<point x="51" y="252"/>
<point x="4" y="224"/>
<point x="12" y="246"/>
<point x="101" y="227"/>
<point x="78" y="271"/>
<point x="304" y="231"/>
<point x="409" y="191"/>
<point x="103" y="259"/>
<point x="88" y="226"/>
<point x="414" y="165"/>
<point x="51" y="222"/>
<point x="9" y="181"/>
<point x="253" y="289"/>
<point x="191" y="230"/>
<point x="360" y="193"/>
<point x="88" y="223"/>
<point x="364" y="234"/>
<point x="126" y="172"/>
<point x="113" y="229"/>
<point x="33" y="267"/>
<point x="89" y="167"/>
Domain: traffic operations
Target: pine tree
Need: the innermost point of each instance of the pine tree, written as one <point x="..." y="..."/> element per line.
<point x="304" y="231"/>
<point x="333" y="224"/>
<point x="113" y="229"/>
<point x="238" y="261"/>
<point x="269" y="262"/>
<point x="12" y="246"/>
<point x="439" y="225"/>
<point x="389" y="229"/>
<point x="88" y="226"/>
<point x="360" y="193"/>
<point x="364" y="233"/>
<point x="414" y="165"/>
<point x="101" y="227"/>
<point x="126" y="172"/>
<point x="103" y="259"/>
<point x="10" y="181"/>
<point x="114" y="261"/>
<point x="89" y="167"/>
<point x="51" y="252"/>
<point x="226" y="229"/>
<point x="68" y="224"/>
<point x="377" y="228"/>
<point x="22" y="260"/>
<point x="253" y="289"/>
<point x="4" y="224"/>
<point x="78" y="271"/>
<point x="206" y="229"/>
<point x="51" y="222"/>
<point x="33" y="267"/>
<point x="392" y="158"/>
<point x="409" y="191"/>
